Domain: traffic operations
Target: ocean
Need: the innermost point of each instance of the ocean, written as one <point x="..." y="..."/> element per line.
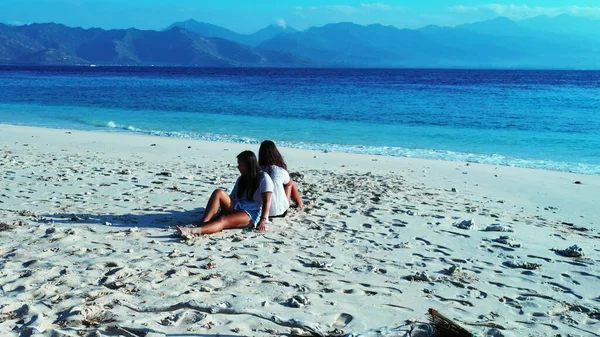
<point x="526" y="118"/>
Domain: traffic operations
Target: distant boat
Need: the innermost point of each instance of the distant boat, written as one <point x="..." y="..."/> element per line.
<point x="93" y="65"/>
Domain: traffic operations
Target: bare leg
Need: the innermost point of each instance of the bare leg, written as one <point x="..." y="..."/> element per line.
<point x="218" y="200"/>
<point x="291" y="192"/>
<point x="235" y="220"/>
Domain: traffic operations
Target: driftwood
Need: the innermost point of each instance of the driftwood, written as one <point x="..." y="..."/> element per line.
<point x="312" y="328"/>
<point x="490" y="325"/>
<point x="445" y="326"/>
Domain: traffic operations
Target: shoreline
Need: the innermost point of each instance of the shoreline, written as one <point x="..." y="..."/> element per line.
<point x="353" y="149"/>
<point x="88" y="222"/>
<point x="445" y="173"/>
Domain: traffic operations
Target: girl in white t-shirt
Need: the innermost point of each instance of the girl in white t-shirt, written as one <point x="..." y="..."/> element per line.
<point x="243" y="207"/>
<point x="284" y="188"/>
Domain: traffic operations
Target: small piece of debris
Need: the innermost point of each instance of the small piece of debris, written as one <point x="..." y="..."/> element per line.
<point x="419" y="276"/>
<point x="498" y="228"/>
<point x="403" y="245"/>
<point x="210" y="265"/>
<point x="454" y="269"/>
<point x="573" y="251"/>
<point x="522" y="265"/>
<point x="298" y="301"/>
<point x="318" y="264"/>
<point x="506" y="240"/>
<point x="465" y="224"/>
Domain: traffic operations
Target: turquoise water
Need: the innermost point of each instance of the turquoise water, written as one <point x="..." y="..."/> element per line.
<point x="538" y="119"/>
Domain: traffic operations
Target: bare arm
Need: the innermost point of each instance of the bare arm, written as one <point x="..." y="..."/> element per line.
<point x="266" y="204"/>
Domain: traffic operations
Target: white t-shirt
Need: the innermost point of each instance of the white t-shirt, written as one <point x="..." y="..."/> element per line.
<point x="279" y="201"/>
<point x="242" y="203"/>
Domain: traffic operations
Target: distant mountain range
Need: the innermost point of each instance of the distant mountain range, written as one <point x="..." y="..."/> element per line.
<point x="209" y="30"/>
<point x="541" y="42"/>
<point x="55" y="44"/>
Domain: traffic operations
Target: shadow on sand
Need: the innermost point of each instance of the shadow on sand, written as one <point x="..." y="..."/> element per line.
<point x="157" y="219"/>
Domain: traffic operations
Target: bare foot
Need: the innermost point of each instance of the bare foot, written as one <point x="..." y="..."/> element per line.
<point x="184" y="231"/>
<point x="295" y="204"/>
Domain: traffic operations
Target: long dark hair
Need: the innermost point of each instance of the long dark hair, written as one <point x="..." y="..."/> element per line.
<point x="268" y="155"/>
<point x="250" y="180"/>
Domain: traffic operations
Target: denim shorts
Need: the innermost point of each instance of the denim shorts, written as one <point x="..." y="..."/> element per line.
<point x="253" y="214"/>
<point x="254" y="217"/>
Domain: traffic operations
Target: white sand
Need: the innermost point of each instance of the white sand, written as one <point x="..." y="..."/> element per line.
<point x="92" y="222"/>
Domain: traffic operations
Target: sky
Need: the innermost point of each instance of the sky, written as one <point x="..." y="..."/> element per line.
<point x="248" y="16"/>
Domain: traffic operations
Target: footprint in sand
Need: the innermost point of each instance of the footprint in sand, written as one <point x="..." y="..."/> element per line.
<point x="173" y="319"/>
<point x="424" y="241"/>
<point x="476" y="293"/>
<point x="441" y="252"/>
<point x="587" y="274"/>
<point x="342" y="320"/>
<point x="192" y="318"/>
<point x="561" y="288"/>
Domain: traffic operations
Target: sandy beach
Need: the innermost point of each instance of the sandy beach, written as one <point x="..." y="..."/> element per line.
<point x="87" y="225"/>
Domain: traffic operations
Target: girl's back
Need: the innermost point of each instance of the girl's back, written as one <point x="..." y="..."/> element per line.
<point x="279" y="200"/>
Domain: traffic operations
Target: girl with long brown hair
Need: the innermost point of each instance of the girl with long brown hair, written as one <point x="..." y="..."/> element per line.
<point x="284" y="189"/>
<point x="247" y="205"/>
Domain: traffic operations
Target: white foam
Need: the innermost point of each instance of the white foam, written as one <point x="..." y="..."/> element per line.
<point x="493" y="159"/>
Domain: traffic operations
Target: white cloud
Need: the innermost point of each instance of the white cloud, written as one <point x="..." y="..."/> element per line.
<point x="583" y="11"/>
<point x="523" y="11"/>
<point x="376" y="6"/>
<point x="346" y="10"/>
<point x="281" y="23"/>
